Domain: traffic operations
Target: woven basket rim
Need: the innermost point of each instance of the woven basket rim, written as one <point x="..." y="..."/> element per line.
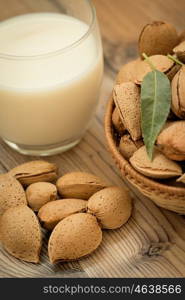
<point x="126" y="166"/>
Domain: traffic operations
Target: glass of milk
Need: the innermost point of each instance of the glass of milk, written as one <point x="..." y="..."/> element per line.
<point x="51" y="70"/>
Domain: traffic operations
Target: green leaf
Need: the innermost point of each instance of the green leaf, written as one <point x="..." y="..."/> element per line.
<point x="155" y="107"/>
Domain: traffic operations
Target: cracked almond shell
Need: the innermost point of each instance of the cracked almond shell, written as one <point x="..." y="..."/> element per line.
<point x="79" y="185"/>
<point x="53" y="212"/>
<point x="34" y="171"/>
<point x="180" y="51"/>
<point x="11" y="193"/>
<point x="171" y="140"/>
<point x="127" y="100"/>
<point x="160" y="167"/>
<point x="20" y="233"/>
<point x="116" y="120"/>
<point x="160" y="62"/>
<point x="127" y="72"/>
<point x="127" y="146"/>
<point x="39" y="193"/>
<point x="74" y="237"/>
<point x="111" y="206"/>
<point x="158" y="38"/>
<point x="178" y="94"/>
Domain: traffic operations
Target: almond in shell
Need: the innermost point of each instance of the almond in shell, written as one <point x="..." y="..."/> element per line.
<point x="80" y="185"/>
<point x="180" y="51"/>
<point x="20" y="233"/>
<point x="160" y="167"/>
<point x="178" y="94"/>
<point x="34" y="171"/>
<point x="127" y="146"/>
<point x="111" y="206"/>
<point x="116" y="120"/>
<point x="158" y="38"/>
<point x="39" y="193"/>
<point x="12" y="193"/>
<point x="171" y="140"/>
<point x="127" y="72"/>
<point x="127" y="99"/>
<point x="55" y="211"/>
<point x="74" y="237"/>
<point x="161" y="63"/>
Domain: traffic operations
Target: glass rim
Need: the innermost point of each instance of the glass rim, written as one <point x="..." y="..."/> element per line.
<point x="61" y="50"/>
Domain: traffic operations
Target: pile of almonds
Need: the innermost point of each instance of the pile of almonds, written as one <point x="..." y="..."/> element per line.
<point x="74" y="210"/>
<point x="156" y="40"/>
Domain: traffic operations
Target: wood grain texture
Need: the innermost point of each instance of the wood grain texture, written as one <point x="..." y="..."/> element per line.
<point x="152" y="243"/>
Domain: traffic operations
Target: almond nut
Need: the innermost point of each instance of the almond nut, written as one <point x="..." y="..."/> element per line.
<point x="160" y="167"/>
<point x="182" y="36"/>
<point x="34" y="171"/>
<point x="11" y="193"/>
<point x="20" y="233"/>
<point x="55" y="211"/>
<point x="111" y="206"/>
<point x="79" y="185"/>
<point x="74" y="237"/>
<point x="39" y="193"/>
<point x="171" y="140"/>
<point x="158" y="38"/>
<point x="127" y="99"/>
<point x="127" y="146"/>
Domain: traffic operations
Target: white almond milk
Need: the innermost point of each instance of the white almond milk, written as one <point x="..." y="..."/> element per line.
<point x="49" y="98"/>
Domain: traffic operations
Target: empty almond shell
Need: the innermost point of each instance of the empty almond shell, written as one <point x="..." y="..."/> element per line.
<point x="34" y="171"/>
<point x="111" y="206"/>
<point x="160" y="167"/>
<point x="171" y="140"/>
<point x="20" y="233"/>
<point x="55" y="211"/>
<point x="127" y="99"/>
<point x="158" y="38"/>
<point x="11" y="193"/>
<point x="79" y="185"/>
<point x="74" y="237"/>
<point x="39" y="193"/>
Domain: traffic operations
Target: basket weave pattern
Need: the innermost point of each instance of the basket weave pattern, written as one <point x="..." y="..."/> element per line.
<point x="169" y="197"/>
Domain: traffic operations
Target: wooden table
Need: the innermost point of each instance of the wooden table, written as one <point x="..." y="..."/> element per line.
<point x="152" y="243"/>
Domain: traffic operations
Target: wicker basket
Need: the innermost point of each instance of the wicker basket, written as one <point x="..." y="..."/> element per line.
<point x="169" y="197"/>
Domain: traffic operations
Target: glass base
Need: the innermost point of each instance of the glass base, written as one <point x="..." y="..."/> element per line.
<point x="46" y="150"/>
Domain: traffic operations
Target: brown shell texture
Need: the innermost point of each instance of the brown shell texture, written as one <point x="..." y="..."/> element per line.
<point x="111" y="206"/>
<point x="171" y="140"/>
<point x="53" y="212"/>
<point x="178" y="94"/>
<point x="20" y="233"/>
<point x="127" y="72"/>
<point x="127" y="146"/>
<point x="39" y="193"/>
<point x="35" y="171"/>
<point x="127" y="99"/>
<point x="11" y="193"/>
<point x="158" y="38"/>
<point x="160" y="62"/>
<point x="79" y="185"/>
<point x="180" y="51"/>
<point x="116" y="120"/>
<point x="74" y="237"/>
<point x="160" y="167"/>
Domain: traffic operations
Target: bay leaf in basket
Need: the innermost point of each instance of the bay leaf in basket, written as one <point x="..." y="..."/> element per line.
<point x="155" y="106"/>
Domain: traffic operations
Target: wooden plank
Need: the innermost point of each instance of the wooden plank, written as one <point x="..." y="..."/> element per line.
<point x="152" y="243"/>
